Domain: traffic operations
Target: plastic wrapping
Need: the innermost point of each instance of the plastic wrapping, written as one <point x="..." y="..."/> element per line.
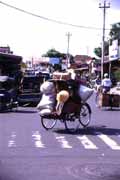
<point x="48" y="99"/>
<point x="85" y="92"/>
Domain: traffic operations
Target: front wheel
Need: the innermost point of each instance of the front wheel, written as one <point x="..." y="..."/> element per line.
<point x="48" y="123"/>
<point x="85" y="114"/>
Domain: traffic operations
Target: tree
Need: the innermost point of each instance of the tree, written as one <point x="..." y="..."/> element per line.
<point x="115" y="31"/>
<point x="114" y="34"/>
<point x="57" y="54"/>
<point x="54" y="53"/>
<point x="98" y="50"/>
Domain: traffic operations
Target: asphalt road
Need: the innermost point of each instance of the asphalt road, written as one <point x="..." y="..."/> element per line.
<point x="28" y="151"/>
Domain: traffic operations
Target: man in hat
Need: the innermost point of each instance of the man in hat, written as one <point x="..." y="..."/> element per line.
<point x="106" y="83"/>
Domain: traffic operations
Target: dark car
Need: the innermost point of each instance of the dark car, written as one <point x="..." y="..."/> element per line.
<point x="30" y="90"/>
<point x="8" y="93"/>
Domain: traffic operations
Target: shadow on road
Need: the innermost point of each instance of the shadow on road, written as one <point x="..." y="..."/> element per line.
<point x="25" y="111"/>
<point x="92" y="130"/>
<point x="109" y="109"/>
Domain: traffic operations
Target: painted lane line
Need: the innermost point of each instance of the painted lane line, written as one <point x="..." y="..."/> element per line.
<point x="11" y="142"/>
<point x="88" y="144"/>
<point x="110" y="142"/>
<point x="64" y="143"/>
<point x="37" y="138"/>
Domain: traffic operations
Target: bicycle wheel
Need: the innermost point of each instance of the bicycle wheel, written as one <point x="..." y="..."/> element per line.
<point x="85" y="114"/>
<point x="72" y="124"/>
<point x="48" y="123"/>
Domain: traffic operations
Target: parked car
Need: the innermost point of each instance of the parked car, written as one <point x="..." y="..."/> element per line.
<point x="8" y="93"/>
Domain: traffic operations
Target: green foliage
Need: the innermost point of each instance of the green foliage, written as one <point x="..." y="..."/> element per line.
<point x="98" y="50"/>
<point x="117" y="75"/>
<point x="54" y="53"/>
<point x="114" y="34"/>
<point x="115" y="31"/>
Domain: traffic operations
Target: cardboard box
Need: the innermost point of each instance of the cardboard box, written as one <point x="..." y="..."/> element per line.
<point x="109" y="100"/>
<point x="105" y="100"/>
<point x="61" y="76"/>
<point x="115" y="100"/>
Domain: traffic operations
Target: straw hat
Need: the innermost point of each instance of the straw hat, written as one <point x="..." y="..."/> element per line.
<point x="62" y="97"/>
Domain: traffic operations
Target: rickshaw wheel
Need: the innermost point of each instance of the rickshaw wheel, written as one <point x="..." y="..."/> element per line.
<point x="48" y="123"/>
<point x="85" y="114"/>
<point x="72" y="123"/>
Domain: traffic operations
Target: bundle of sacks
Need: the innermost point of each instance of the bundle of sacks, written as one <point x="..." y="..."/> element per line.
<point x="47" y="102"/>
<point x="84" y="92"/>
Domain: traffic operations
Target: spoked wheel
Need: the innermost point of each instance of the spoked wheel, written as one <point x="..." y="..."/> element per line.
<point x="72" y="124"/>
<point x="48" y="123"/>
<point x="85" y="114"/>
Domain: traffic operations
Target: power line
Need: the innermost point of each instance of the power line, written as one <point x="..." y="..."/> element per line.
<point x="48" y="19"/>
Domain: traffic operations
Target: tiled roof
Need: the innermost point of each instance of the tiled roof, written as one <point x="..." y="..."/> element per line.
<point x="82" y="59"/>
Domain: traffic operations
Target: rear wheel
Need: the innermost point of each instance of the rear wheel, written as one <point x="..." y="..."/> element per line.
<point x="48" y="123"/>
<point x="72" y="123"/>
<point x="85" y="114"/>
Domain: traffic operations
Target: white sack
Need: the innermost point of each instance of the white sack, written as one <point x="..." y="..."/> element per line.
<point x="85" y="92"/>
<point x="47" y="102"/>
<point x="47" y="87"/>
<point x="48" y="98"/>
<point x="45" y="112"/>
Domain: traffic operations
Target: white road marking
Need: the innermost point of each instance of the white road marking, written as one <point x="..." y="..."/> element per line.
<point x="11" y="142"/>
<point x="64" y="143"/>
<point x="86" y="142"/>
<point x="37" y="138"/>
<point x="110" y="142"/>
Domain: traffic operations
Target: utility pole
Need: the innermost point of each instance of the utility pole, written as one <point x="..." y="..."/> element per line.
<point x="68" y="44"/>
<point x="104" y="7"/>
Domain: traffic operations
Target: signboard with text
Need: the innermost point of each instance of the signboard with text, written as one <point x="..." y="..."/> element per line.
<point x="114" y="51"/>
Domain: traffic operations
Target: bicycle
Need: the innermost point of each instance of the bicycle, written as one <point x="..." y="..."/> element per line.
<point x="72" y="120"/>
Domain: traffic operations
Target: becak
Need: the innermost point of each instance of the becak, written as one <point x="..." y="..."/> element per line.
<point x="47" y="102"/>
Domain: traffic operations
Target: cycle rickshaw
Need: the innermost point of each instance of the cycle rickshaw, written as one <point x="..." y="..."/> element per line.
<point x="73" y="114"/>
<point x="110" y="99"/>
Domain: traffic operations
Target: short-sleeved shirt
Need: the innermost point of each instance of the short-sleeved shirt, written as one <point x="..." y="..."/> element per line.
<point x="106" y="82"/>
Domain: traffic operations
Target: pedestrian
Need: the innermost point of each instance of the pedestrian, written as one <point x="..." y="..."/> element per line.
<point x="98" y="89"/>
<point x="106" y="83"/>
<point x="97" y="83"/>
